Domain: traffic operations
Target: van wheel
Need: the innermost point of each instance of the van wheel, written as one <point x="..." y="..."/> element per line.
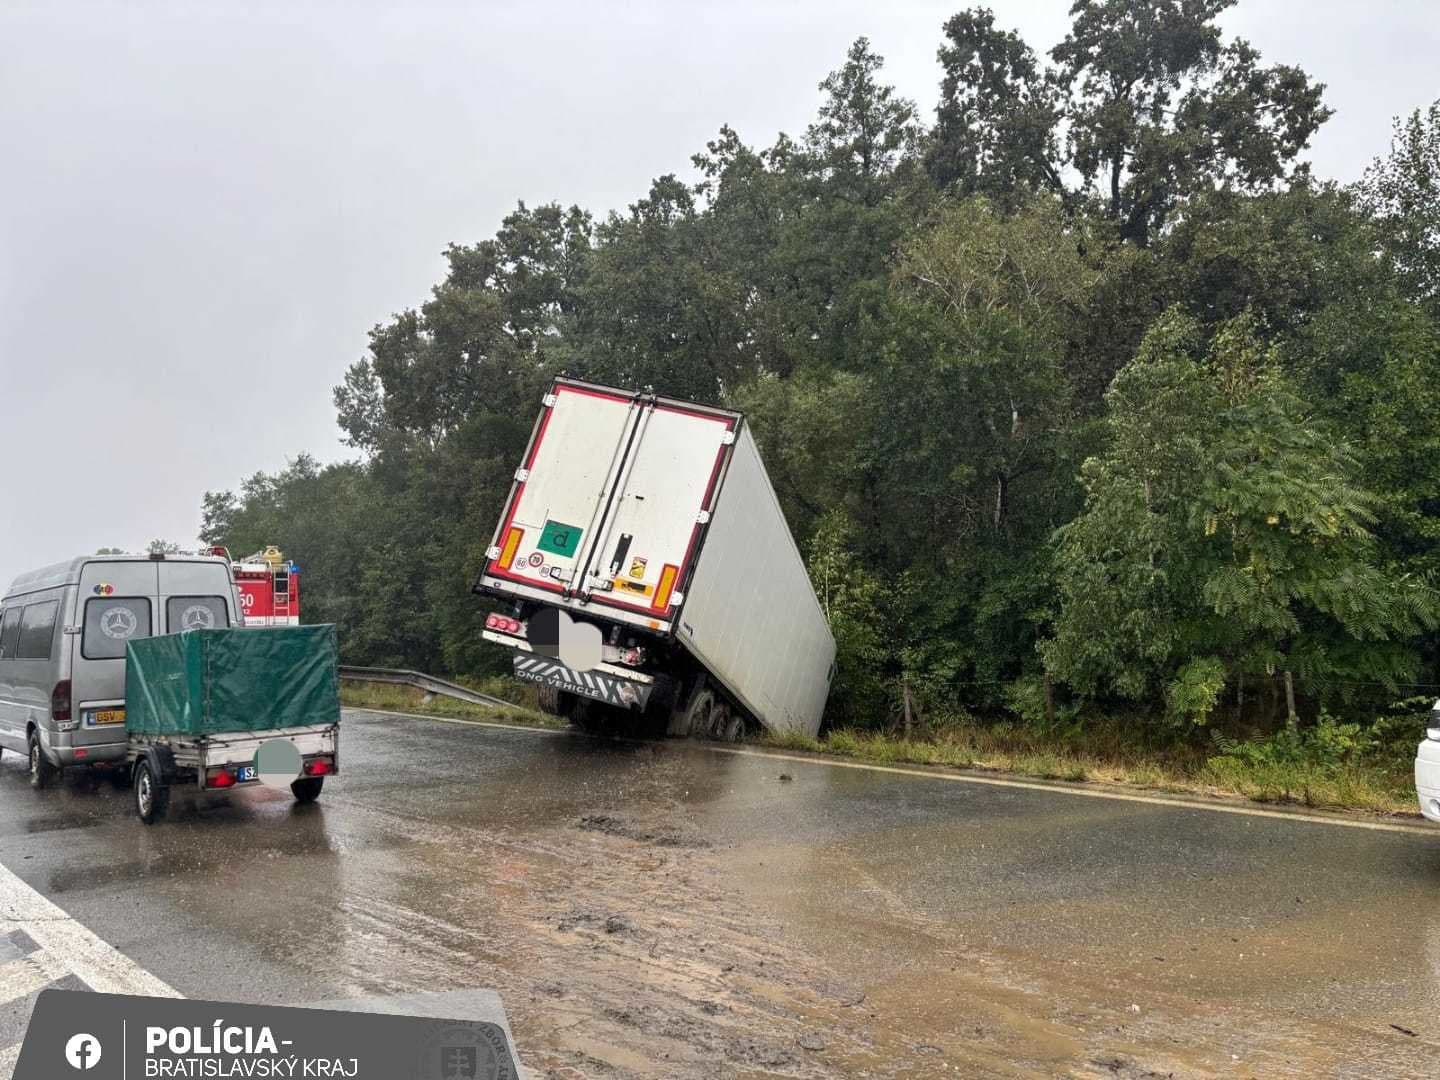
<point x="42" y="773"/>
<point x="152" y="794"/>
<point x="307" y="788"/>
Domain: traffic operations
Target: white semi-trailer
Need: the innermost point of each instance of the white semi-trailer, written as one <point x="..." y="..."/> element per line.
<point x="652" y="521"/>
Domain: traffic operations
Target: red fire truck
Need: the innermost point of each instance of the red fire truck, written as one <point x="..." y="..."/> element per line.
<point x="269" y="587"/>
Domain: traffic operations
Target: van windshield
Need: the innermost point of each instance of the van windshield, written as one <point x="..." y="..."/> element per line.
<point x="111" y="621"/>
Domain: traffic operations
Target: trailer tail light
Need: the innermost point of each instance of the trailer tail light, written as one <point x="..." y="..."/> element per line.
<point x="503" y="623"/>
<point x="60" y="704"/>
<point x="512" y="545"/>
<point x="220" y="778"/>
<point x="319" y="767"/>
<point x="667" y="585"/>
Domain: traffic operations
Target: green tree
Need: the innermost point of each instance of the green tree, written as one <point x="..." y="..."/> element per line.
<point x="997" y="129"/>
<point x="1225" y="529"/>
<point x="327" y="520"/>
<point x="1402" y="192"/>
<point x="854" y="602"/>
<point x="490" y="334"/>
<point x="661" y="309"/>
<point x="1144" y="104"/>
<point x="864" y="133"/>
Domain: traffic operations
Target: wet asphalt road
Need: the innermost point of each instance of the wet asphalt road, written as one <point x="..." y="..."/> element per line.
<point x="967" y="929"/>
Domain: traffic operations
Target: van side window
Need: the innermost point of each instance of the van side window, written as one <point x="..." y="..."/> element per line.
<point x="195" y="613"/>
<point x="111" y="621"/>
<point x="9" y="633"/>
<point x="37" y="631"/>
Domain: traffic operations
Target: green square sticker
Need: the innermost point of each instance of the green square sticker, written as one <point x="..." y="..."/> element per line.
<point x="560" y="539"/>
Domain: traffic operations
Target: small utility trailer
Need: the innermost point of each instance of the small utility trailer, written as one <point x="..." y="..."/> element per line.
<point x="220" y="709"/>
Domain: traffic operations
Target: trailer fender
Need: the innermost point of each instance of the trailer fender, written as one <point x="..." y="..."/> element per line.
<point x="162" y="762"/>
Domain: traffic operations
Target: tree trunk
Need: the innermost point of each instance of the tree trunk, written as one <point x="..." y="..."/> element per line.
<point x="1239" y="697"/>
<point x="905" y="690"/>
<point x="1292" y="721"/>
<point x="1049" y="700"/>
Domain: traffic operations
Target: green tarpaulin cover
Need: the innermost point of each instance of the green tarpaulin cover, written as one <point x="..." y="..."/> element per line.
<point x="205" y="682"/>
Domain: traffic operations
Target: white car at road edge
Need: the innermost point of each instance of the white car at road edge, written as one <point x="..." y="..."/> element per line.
<point x="1427" y="767"/>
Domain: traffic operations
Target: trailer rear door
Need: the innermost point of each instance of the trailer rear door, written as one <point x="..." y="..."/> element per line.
<point x="609" y="506"/>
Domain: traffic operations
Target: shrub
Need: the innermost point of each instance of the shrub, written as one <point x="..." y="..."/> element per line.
<point x="1192" y="694"/>
<point x="1324" y="748"/>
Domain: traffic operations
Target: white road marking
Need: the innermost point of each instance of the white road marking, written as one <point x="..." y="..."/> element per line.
<point x="98" y="964"/>
<point x="989" y="781"/>
<point x="21" y="978"/>
<point x="64" y="948"/>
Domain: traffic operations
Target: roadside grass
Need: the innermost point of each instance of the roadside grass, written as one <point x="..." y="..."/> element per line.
<point x="1104" y="753"/>
<point x="1108" y="755"/>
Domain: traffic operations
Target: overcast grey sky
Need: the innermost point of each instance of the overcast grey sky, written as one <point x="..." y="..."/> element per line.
<point x="204" y="207"/>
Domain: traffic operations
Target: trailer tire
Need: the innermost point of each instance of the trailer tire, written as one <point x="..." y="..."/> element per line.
<point x="307" y="788"/>
<point x="556" y="702"/>
<point x="42" y="772"/>
<point x="586" y="715"/>
<point x="152" y="794"/>
<point x="728" y="724"/>
<point x="695" y="720"/>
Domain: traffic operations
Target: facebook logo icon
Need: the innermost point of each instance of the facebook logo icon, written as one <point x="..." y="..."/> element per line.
<point x="82" y="1051"/>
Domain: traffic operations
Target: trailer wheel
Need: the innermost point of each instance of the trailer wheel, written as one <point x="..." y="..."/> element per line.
<point x="695" y="720"/>
<point x="42" y="773"/>
<point x="307" y="788"/>
<point x="586" y="715"/>
<point x="728" y="724"/>
<point x="556" y="702"/>
<point x="152" y="794"/>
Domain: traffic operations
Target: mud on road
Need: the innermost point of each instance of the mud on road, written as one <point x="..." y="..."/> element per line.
<point x="628" y="946"/>
<point x="668" y="910"/>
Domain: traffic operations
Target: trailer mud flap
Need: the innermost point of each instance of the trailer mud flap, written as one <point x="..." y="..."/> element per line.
<point x="591" y="684"/>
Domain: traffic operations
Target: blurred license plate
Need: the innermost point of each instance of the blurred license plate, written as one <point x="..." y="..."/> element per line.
<point x="245" y="772"/>
<point x="109" y="716"/>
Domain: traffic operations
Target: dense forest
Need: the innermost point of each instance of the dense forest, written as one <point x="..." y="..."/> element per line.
<point x="1086" y="396"/>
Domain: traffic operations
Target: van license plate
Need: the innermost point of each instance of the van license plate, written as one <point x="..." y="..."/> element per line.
<point x="245" y="772"/>
<point x="109" y="716"/>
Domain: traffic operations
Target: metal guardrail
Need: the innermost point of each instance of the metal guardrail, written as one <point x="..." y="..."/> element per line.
<point x="429" y="683"/>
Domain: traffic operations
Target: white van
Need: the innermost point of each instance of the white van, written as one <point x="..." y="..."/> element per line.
<point x="63" y="631"/>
